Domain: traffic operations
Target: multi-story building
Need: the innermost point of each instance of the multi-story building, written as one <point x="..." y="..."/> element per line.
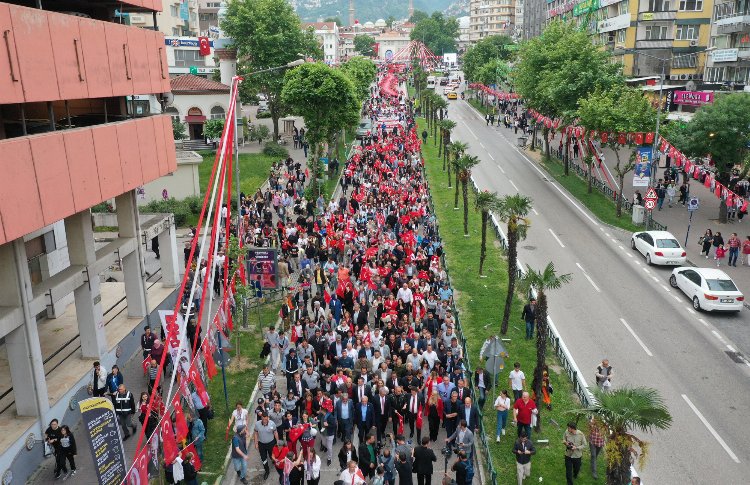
<point x="184" y="57"/>
<point x="535" y="15"/>
<point x="179" y="18"/>
<point x="729" y="63"/>
<point x="208" y="17"/>
<point x="328" y="36"/>
<point x="464" y="33"/>
<point x="491" y="17"/>
<point x="72" y="137"/>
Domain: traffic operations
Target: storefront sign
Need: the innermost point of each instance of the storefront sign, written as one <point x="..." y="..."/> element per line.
<point x="585" y="6"/>
<point x="614" y="23"/>
<point x="262" y="267"/>
<point x="562" y="9"/>
<point x="693" y="98"/>
<point x="103" y="433"/>
<point x="184" y="42"/>
<point x="725" y="55"/>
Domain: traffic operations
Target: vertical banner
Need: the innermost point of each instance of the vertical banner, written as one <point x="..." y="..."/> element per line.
<point x="262" y="267"/>
<point x="99" y="418"/>
<point x="642" y="170"/>
<point x="175" y="338"/>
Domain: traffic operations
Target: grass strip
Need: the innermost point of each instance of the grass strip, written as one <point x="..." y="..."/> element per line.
<point x="480" y="301"/>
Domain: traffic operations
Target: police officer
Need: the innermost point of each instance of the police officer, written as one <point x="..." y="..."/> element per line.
<point x="124" y="408"/>
<point x="265" y="435"/>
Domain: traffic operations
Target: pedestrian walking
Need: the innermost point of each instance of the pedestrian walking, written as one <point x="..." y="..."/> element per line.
<point x="424" y="457"/>
<point x="604" y="375"/>
<point x="239" y="453"/>
<point x="746" y="251"/>
<point x="124" y="409"/>
<point x="718" y="240"/>
<point x="734" y="249"/>
<point x="661" y="193"/>
<point x="312" y="467"/>
<point x="404" y="467"/>
<point x="98" y="383"/>
<point x="265" y="436"/>
<point x="197" y="433"/>
<point x="523" y="448"/>
<point x="720" y="254"/>
<point x="529" y="315"/>
<point x="52" y="437"/>
<point x="517" y="381"/>
<point x="68" y="450"/>
<point x="670" y="194"/>
<point x="596" y="444"/>
<point x="502" y="404"/>
<point x="705" y="241"/>
<point x="575" y="443"/>
<point x="524" y="410"/>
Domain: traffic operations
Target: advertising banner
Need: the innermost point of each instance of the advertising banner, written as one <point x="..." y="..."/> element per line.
<point x="585" y="6"/>
<point x="262" y="267"/>
<point x="614" y="23"/>
<point x="103" y="434"/>
<point x="725" y="55"/>
<point x="693" y="98"/>
<point x="175" y="336"/>
<point x="642" y="170"/>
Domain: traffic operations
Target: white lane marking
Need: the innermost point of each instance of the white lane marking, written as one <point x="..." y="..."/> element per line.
<point x="655" y="278"/>
<point x="711" y="429"/>
<point x="588" y="278"/>
<point x="601" y="229"/>
<point x="705" y="323"/>
<point x="646" y="270"/>
<point x="629" y="255"/>
<point x="472" y="133"/>
<point x="637" y="339"/>
<point x="613" y="240"/>
<point x="691" y="311"/>
<point x="676" y="298"/>
<point x="716" y="334"/>
<point x="638" y="263"/>
<point x="607" y="234"/>
<point x="514" y="185"/>
<point x="666" y="289"/>
<point x="731" y="349"/>
<point x="534" y="210"/>
<point x="493" y="158"/>
<point x="481" y="145"/>
<point x="620" y="246"/>
<point x="501" y="168"/>
<point x="556" y="238"/>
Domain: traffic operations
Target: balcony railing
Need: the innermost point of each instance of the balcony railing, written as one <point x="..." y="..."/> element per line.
<point x="647" y="16"/>
<point x="654" y="44"/>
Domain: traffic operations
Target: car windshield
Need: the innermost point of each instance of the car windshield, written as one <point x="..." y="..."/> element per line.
<point x="721" y="285"/>
<point x="364" y="125"/>
<point x="667" y="244"/>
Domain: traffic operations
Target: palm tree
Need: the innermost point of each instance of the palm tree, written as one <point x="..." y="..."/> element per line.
<point x="620" y="412"/>
<point x="463" y="171"/>
<point x="447" y="126"/>
<point x="543" y="282"/>
<point x="457" y="148"/>
<point x="484" y="202"/>
<point x="439" y="105"/>
<point x="513" y="211"/>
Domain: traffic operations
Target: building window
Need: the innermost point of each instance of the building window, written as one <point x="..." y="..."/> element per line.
<point x="621" y="35"/>
<point x="691" y="5"/>
<point x="176" y="31"/>
<point x="687" y="32"/>
<point x="684" y="62"/>
<point x="657" y="5"/>
<point x="217" y="113"/>
<point x="173" y="10"/>
<point x="187" y="58"/>
<point x="656" y="32"/>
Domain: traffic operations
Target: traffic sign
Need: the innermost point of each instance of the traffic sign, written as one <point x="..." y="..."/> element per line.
<point x="693" y="204"/>
<point x="650" y="204"/>
<point x="651" y="194"/>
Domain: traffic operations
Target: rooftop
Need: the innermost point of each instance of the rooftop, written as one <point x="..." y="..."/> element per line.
<point x="188" y="83"/>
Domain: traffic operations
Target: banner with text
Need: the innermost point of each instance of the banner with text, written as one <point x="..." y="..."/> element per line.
<point x="100" y="421"/>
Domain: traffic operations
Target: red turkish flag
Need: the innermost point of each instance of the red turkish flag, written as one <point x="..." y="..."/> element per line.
<point x="181" y="426"/>
<point x="168" y="442"/>
<point x="197" y="381"/>
<point x="604" y="137"/>
<point x="139" y="473"/>
<point x="400" y="423"/>
<point x="639" y="138"/>
<point x="718" y="189"/>
<point x="326" y="296"/>
<point x="209" y="358"/>
<point x="196" y="460"/>
<point x="419" y="418"/>
<point x="204" y="46"/>
<point x="294" y="336"/>
<point x="621" y="138"/>
<point x="649" y="137"/>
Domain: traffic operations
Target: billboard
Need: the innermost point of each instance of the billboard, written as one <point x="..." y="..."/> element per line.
<point x="642" y="169"/>
<point x="103" y="435"/>
<point x="262" y="267"/>
<point x="693" y="98"/>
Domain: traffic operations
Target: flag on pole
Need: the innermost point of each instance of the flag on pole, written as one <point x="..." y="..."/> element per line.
<point x="197" y="381"/>
<point x="169" y="445"/>
<point x="197" y="464"/>
<point x="181" y="427"/>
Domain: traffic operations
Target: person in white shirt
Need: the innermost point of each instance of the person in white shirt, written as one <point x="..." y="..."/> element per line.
<point x="430" y="356"/>
<point x="239" y="417"/>
<point x="517" y="381"/>
<point x="312" y="467"/>
<point x="502" y="404"/>
<point x="352" y="475"/>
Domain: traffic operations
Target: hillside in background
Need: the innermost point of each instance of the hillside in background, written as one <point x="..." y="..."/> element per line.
<point x="371" y="10"/>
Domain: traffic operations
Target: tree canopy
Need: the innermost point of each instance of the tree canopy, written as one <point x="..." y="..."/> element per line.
<point x="619" y="109"/>
<point x="560" y="67"/>
<point x="492" y="72"/>
<point x="364" y="44"/>
<point x="333" y="19"/>
<point x="438" y="32"/>
<point x="418" y="15"/>
<point x="487" y="49"/>
<point x="267" y="34"/>
<point x="361" y="72"/>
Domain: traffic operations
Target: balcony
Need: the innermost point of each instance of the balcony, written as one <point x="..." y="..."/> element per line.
<point x="648" y="16"/>
<point x="78" y="168"/>
<point x="654" y="44"/>
<point x="733" y="24"/>
<point x="49" y="56"/>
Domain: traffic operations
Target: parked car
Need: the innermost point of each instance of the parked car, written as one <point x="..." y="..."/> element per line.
<point x="659" y="247"/>
<point x="709" y="289"/>
<point x="443" y="81"/>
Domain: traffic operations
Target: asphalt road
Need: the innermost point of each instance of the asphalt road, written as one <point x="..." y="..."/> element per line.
<point x="617" y="307"/>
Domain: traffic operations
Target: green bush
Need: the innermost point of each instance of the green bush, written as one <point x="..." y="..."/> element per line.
<point x="105" y="206"/>
<point x="263" y="115"/>
<point x="273" y="149"/>
<point x="180" y="209"/>
<point x="194" y="204"/>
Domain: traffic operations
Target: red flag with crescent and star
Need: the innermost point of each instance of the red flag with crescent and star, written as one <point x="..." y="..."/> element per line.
<point x="204" y="46"/>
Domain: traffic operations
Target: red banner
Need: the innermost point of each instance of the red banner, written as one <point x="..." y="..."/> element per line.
<point x="169" y="445"/>
<point x="197" y="381"/>
<point x="180" y="424"/>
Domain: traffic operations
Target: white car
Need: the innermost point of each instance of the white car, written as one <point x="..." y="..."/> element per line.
<point x="710" y="289"/>
<point x="659" y="247"/>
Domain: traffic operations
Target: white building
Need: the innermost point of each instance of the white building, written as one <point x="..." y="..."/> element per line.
<point x="328" y="35"/>
<point x="464" y="30"/>
<point x="183" y="53"/>
<point x="491" y="17"/>
<point x="390" y="43"/>
<point x="196" y="100"/>
<point x="178" y="18"/>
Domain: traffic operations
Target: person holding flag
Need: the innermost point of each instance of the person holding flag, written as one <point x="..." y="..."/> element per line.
<point x="352" y="475"/>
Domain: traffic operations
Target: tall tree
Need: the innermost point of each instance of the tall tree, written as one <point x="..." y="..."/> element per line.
<point x="326" y="99"/>
<point x="543" y="282"/>
<point x="620" y="413"/>
<point x="361" y="71"/>
<point x="336" y="20"/>
<point x="495" y="71"/>
<point x="463" y="171"/>
<point x="485" y="201"/>
<point x="418" y="15"/>
<point x="560" y="67"/>
<point x="439" y="33"/>
<point x="513" y="210"/>
<point x="457" y="148"/>
<point x="494" y="47"/>
<point x="617" y="110"/>
<point x="364" y="44"/>
<point x="267" y="34"/>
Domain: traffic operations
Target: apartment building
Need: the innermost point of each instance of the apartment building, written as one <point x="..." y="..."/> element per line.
<point x="208" y="17"/>
<point x="72" y="136"/>
<point x="491" y="17"/>
<point x="729" y="63"/>
<point x="179" y="18"/>
<point x="328" y="37"/>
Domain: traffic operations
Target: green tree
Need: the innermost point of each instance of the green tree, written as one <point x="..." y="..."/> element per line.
<point x="326" y="99"/>
<point x="543" y="282"/>
<point x="617" y="110"/>
<point x="258" y="132"/>
<point x="722" y="130"/>
<point x="513" y="210"/>
<point x="212" y="129"/>
<point x="494" y="47"/>
<point x="457" y="148"/>
<point x="365" y="45"/>
<point x="334" y="19"/>
<point x="485" y="201"/>
<point x="560" y="67"/>
<point x="267" y="34"/>
<point x="439" y="33"/>
<point x="418" y="15"/>
<point x="361" y="71"/>
<point x="463" y="169"/>
<point x="389" y="21"/>
<point x="495" y="71"/>
<point x="619" y="414"/>
<point x="179" y="130"/>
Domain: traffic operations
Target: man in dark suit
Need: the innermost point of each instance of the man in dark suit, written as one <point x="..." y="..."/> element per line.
<point x="469" y="413"/>
<point x="367" y="457"/>
<point x="366" y="351"/>
<point x="361" y="390"/>
<point x="298" y="386"/>
<point x="424" y="457"/>
<point x="359" y="317"/>
<point x="462" y="390"/>
<point x="287" y="424"/>
<point x="345" y="416"/>
<point x="398" y="405"/>
<point x="413" y="406"/>
<point x="382" y="407"/>
<point x="364" y="418"/>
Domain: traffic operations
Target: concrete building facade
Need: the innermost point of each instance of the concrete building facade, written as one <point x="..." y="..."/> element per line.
<point x="328" y="37"/>
<point x="491" y="17"/>
<point x="69" y="140"/>
<point x="729" y="63"/>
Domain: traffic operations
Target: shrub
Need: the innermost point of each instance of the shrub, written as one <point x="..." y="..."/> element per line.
<point x="179" y="208"/>
<point x="194" y="204"/>
<point x="272" y="149"/>
<point x="263" y="115"/>
<point x="105" y="206"/>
